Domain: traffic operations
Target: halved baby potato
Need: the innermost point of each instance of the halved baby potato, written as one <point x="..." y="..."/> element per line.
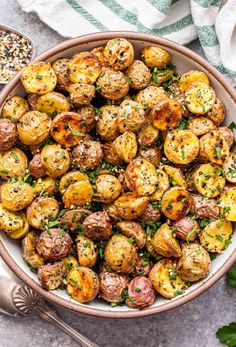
<point x="213" y="147"/>
<point x="70" y="178"/>
<point x="176" y="203"/>
<point x="181" y="146"/>
<point x="133" y="230"/>
<point x="126" y="146"/>
<point x="119" y="53"/>
<point x="217" y="112"/>
<point x="52" y="103"/>
<point x="98" y="51"/>
<point x="154" y="56"/>
<point x="108" y="188"/>
<point x="162" y="185"/>
<point x="70" y="262"/>
<point x="209" y="180"/>
<point x="39" y="78"/>
<point x="78" y="194"/>
<point x="60" y="67"/>
<point x="176" y="176"/>
<point x="190" y="77"/>
<point x="41" y="211"/>
<point x="14" y="108"/>
<point x="149" y="96"/>
<point x="165" y="279"/>
<point x="165" y="243"/>
<point x="55" y="160"/>
<point x="229" y="167"/>
<point x="216" y="235"/>
<point x="147" y="135"/>
<point x="227" y="203"/>
<point x="81" y="93"/>
<point x="10" y="221"/>
<point x="29" y="252"/>
<point x="200" y="98"/>
<point x="21" y="232"/>
<point x="84" y="67"/>
<point x="86" y="251"/>
<point x="200" y="125"/>
<point x="131" y="116"/>
<point x="13" y="163"/>
<point x="129" y="206"/>
<point x="16" y="196"/>
<point x="107" y="123"/>
<point x="166" y="114"/>
<point x="45" y="185"/>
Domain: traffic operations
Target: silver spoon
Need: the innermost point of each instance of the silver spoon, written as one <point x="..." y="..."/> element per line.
<point x="16" y="299"/>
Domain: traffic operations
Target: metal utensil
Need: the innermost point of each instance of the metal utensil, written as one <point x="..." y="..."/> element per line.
<point x="16" y="299"/>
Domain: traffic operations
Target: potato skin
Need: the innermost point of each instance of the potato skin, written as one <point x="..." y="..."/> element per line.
<point x="16" y="196"/>
<point x="81" y="94"/>
<point x="70" y="178"/>
<point x="120" y="255"/>
<point x="45" y="185"/>
<point x="10" y="221"/>
<point x="213" y="147"/>
<point x="8" y="134"/>
<point x="53" y="244"/>
<point x="78" y="194"/>
<point x="119" y="53"/>
<point x="82" y="284"/>
<point x="154" y="56"/>
<point x="52" y="275"/>
<point x="72" y="219"/>
<point x="41" y="210"/>
<point x="14" y="108"/>
<point x="187" y="229"/>
<point x="86" y="251"/>
<point x="200" y="125"/>
<point x="84" y="67"/>
<point x="217" y="112"/>
<point x="87" y="115"/>
<point x="129" y="206"/>
<point x="147" y="135"/>
<point x="55" y="160"/>
<point x="97" y="226"/>
<point x="107" y="123"/>
<point x="108" y="188"/>
<point x="139" y="75"/>
<point x="98" y="51"/>
<point x="140" y="293"/>
<point x="110" y="154"/>
<point x="88" y="154"/>
<point x="153" y="155"/>
<point x="164" y="243"/>
<point x="162" y="186"/>
<point x="166" y="114"/>
<point x="133" y="230"/>
<point x="126" y="146"/>
<point x="29" y="253"/>
<point x="149" y="96"/>
<point x="131" y="116"/>
<point x="205" y="208"/>
<point x="112" y="286"/>
<point x="142" y="267"/>
<point x="35" y="167"/>
<point x="13" y="163"/>
<point x="228" y="135"/>
<point x="60" y="67"/>
<point x="229" y="167"/>
<point x="52" y="103"/>
<point x="194" y="263"/>
<point x="112" y="84"/>
<point x="176" y="203"/>
<point x="150" y="214"/>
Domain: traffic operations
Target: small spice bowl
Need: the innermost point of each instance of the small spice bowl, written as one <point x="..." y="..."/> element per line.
<point x="10" y="64"/>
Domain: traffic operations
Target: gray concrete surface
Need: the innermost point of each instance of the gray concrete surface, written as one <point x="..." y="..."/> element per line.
<point x="193" y="324"/>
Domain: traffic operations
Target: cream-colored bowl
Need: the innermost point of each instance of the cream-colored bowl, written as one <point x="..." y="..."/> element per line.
<point x="185" y="60"/>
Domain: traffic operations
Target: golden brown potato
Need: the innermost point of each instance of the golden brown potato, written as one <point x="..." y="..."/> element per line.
<point x="13" y="163"/>
<point x="119" y="53"/>
<point x="38" y="77"/>
<point x="162" y="185"/>
<point x="29" y="252"/>
<point x="16" y="196"/>
<point x="110" y="155"/>
<point x="227" y="203"/>
<point x="87" y="115"/>
<point x="72" y="220"/>
<point x="149" y="96"/>
<point x="200" y="125"/>
<point x="14" y="108"/>
<point x="176" y="176"/>
<point x="200" y="98"/>
<point x="84" y="67"/>
<point x="120" y="254"/>
<point x="112" y="84"/>
<point x="166" y="114"/>
<point x="112" y="286"/>
<point x="45" y="185"/>
<point x="21" y="232"/>
<point x="10" y="221"/>
<point x="141" y="177"/>
<point x="131" y="116"/>
<point x="8" y="134"/>
<point x="154" y="56"/>
<point x="55" y="160"/>
<point x="81" y="94"/>
<point x="34" y="127"/>
<point x="68" y="129"/>
<point x="186" y="229"/>
<point x="126" y="146"/>
<point x="228" y="135"/>
<point x="70" y="178"/>
<point x="35" y="167"/>
<point x="97" y="226"/>
<point x="82" y="284"/>
<point x="194" y="263"/>
<point x="165" y="280"/>
<point x="108" y="188"/>
<point x="153" y="155"/>
<point x="164" y="243"/>
<point x="229" y="167"/>
<point x="138" y="74"/>
<point x="181" y="146"/>
<point x="98" y="51"/>
<point x="41" y="211"/>
<point x="111" y="210"/>
<point x="216" y="235"/>
<point x="78" y="194"/>
<point x="209" y="180"/>
<point x="70" y="262"/>
<point x="107" y="123"/>
<point x="52" y="276"/>
<point x="147" y="135"/>
<point x="176" y="203"/>
<point x="88" y="154"/>
<point x="217" y="112"/>
<point x="134" y="231"/>
<point x="204" y="208"/>
<point x="129" y="206"/>
<point x="86" y="251"/>
<point x="60" y="67"/>
<point x="190" y="77"/>
<point x="52" y="103"/>
<point x="213" y="147"/>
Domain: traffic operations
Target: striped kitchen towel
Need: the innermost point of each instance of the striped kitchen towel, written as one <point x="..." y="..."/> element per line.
<point x="212" y="21"/>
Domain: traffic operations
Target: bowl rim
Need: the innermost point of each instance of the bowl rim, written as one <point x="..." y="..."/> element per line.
<point x="77" y="307"/>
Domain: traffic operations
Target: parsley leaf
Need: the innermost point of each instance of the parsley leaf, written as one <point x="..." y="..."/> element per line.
<point x="232" y="125"/>
<point x="227" y="334"/>
<point x="231" y="276"/>
<point x="183" y="124"/>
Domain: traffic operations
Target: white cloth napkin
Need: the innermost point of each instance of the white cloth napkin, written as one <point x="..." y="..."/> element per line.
<point x="213" y="21"/>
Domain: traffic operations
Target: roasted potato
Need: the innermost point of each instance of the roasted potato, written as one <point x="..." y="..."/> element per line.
<point x="68" y="129"/>
<point x="209" y="180"/>
<point x="190" y="77"/>
<point x="153" y="155"/>
<point x="33" y="127"/>
<point x="176" y="176"/>
<point x="217" y="112"/>
<point x="82" y="284"/>
<point x="205" y="208"/>
<point x="14" y="108"/>
<point x="88" y="154"/>
<point x="228" y="135"/>
<point x="111" y="210"/>
<point x="200" y="98"/>
<point x="229" y="167"/>
<point x="36" y="168"/>
<point x="52" y="103"/>
<point x="13" y="163"/>
<point x="150" y="214"/>
<point x="142" y="267"/>
<point x="60" y="67"/>
<point x="112" y="84"/>
<point x="112" y="286"/>
<point x="149" y="96"/>
<point x="120" y="254"/>
<point x="86" y="251"/>
<point x="21" y="232"/>
<point x="16" y="196"/>
<point x="79" y="193"/>
<point x="107" y="123"/>
<point x="97" y="226"/>
<point x="41" y="211"/>
<point x="227" y="203"/>
<point x="108" y="188"/>
<point x="55" y="160"/>
<point x="84" y="67"/>
<point x="72" y="220"/>
<point x="8" y="134"/>
<point x="162" y="185"/>
<point x="164" y="242"/>
<point x="194" y="263"/>
<point x="140" y="293"/>
<point x="129" y="206"/>
<point x="134" y="231"/>
<point x="138" y="74"/>
<point x="147" y="135"/>
<point x="29" y="252"/>
<point x="70" y="262"/>
<point x="154" y="56"/>
<point x="166" y="114"/>
<point x="81" y="94"/>
<point x="131" y="116"/>
<point x="45" y="185"/>
<point x="38" y="77"/>
<point x="165" y="279"/>
<point x="52" y="276"/>
<point x="110" y="155"/>
<point x="10" y="221"/>
<point x="176" y="203"/>
<point x="126" y="146"/>
<point x="98" y="51"/>
<point x="200" y="125"/>
<point x="70" y="178"/>
<point x="213" y="147"/>
<point x="87" y="115"/>
<point x="181" y="146"/>
<point x="119" y="53"/>
<point x="186" y="229"/>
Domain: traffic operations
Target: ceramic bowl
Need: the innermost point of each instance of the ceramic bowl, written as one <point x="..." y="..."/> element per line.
<point x="185" y="60"/>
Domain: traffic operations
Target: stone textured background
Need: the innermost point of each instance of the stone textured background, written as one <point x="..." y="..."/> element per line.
<point x="193" y="324"/>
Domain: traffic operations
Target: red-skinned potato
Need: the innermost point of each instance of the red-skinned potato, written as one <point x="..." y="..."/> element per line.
<point x="140" y="293"/>
<point x="112" y="286"/>
<point x="204" y="208"/>
<point x="88" y="154"/>
<point x="8" y="134"/>
<point x="52" y="275"/>
<point x="97" y="226"/>
<point x="134" y="231"/>
<point x="187" y="229"/>
<point x="72" y="220"/>
<point x="36" y="168"/>
<point x="142" y="266"/>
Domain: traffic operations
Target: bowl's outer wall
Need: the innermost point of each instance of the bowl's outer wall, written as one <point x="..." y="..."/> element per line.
<point x="185" y="60"/>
